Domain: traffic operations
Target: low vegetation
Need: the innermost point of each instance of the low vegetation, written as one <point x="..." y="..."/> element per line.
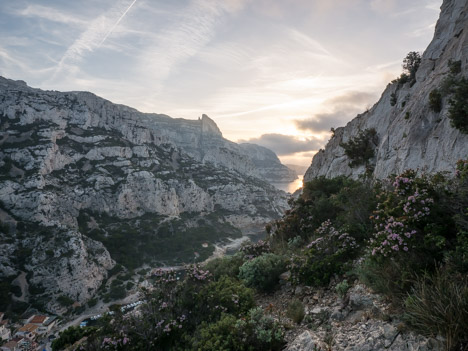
<point x="458" y="110"/>
<point x="360" y="149"/>
<point x="411" y="63"/>
<point x="453" y="87"/>
<point x="406" y="237"/>
<point x="157" y="239"/>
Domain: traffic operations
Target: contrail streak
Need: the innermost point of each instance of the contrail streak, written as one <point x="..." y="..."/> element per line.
<point x="116" y="23"/>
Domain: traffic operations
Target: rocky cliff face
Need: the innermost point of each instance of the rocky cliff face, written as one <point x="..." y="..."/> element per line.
<point x="268" y="165"/>
<point x="85" y="183"/>
<point x="410" y="134"/>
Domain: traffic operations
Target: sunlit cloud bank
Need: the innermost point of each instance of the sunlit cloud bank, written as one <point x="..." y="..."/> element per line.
<point x="278" y="73"/>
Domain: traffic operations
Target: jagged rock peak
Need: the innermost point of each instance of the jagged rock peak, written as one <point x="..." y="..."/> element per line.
<point x="409" y="133"/>
<point x="209" y="126"/>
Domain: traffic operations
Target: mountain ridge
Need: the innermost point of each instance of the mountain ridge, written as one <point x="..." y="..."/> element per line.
<point x="86" y="184"/>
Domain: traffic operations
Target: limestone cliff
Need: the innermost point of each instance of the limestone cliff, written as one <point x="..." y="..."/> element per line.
<point x="410" y="134"/>
<point x="268" y="165"/>
<point x="85" y="183"/>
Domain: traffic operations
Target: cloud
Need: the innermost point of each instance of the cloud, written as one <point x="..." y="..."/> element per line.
<point x="50" y="14"/>
<point x="194" y="28"/>
<point x="341" y="109"/>
<point x="97" y="32"/>
<point x="352" y="98"/>
<point x="324" y="121"/>
<point x="309" y="42"/>
<point x="285" y="144"/>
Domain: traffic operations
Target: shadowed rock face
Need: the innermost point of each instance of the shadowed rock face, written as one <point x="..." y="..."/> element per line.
<point x="85" y="183"/>
<point x="268" y="165"/>
<point x="410" y="134"/>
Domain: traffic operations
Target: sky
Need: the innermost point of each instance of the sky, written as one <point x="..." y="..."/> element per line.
<point x="279" y="73"/>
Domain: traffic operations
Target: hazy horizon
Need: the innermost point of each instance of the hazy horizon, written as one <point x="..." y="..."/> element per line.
<point x="276" y="73"/>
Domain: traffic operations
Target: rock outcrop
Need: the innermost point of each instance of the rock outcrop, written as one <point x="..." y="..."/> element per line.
<point x="267" y="164"/>
<point x="85" y="183"/>
<point x="360" y="322"/>
<point x="410" y="134"/>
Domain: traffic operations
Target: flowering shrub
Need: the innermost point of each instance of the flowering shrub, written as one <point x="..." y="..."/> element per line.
<point x="115" y="343"/>
<point x="195" y="273"/>
<point x="330" y="240"/>
<point x="402" y="215"/>
<point x="325" y="256"/>
<point x="252" y="250"/>
<point x="165" y="276"/>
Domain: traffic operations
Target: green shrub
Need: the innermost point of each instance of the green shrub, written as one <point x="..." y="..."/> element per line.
<point x="411" y="63"/>
<point x="454" y="66"/>
<point x="65" y="300"/>
<point x="257" y="332"/>
<point x="295" y="243"/>
<point x="92" y="302"/>
<point x="388" y="277"/>
<point x="71" y="335"/>
<point x="342" y="288"/>
<point x="117" y="292"/>
<point x="328" y="254"/>
<point x="438" y="305"/>
<point x="459" y="257"/>
<point x="435" y="100"/>
<point x="448" y="84"/>
<point x="296" y="311"/>
<point x="393" y="99"/>
<point x="404" y="78"/>
<point x="266" y="333"/>
<point x="360" y="149"/>
<point x="225" y="295"/>
<point x="344" y="201"/>
<point x="262" y="272"/>
<point x="458" y="110"/>
<point x="5" y="289"/>
<point x="225" y="266"/>
<point x="222" y="335"/>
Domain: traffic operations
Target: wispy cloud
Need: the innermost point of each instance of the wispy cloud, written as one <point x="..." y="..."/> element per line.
<point x="195" y="27"/>
<point x="50" y="14"/>
<point x="309" y="43"/>
<point x="96" y="34"/>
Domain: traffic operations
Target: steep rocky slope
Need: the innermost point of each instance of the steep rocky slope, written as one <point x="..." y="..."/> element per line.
<point x="410" y="134"/>
<point x="268" y="165"/>
<point x="85" y="183"/>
